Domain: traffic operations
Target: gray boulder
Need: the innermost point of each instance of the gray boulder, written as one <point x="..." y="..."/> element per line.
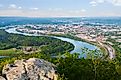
<point x="2" y="78"/>
<point x="31" y="69"/>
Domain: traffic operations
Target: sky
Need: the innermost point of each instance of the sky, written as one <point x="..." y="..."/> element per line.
<point x="60" y="8"/>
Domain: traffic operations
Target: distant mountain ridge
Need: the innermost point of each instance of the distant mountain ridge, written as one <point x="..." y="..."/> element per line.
<point x="5" y="21"/>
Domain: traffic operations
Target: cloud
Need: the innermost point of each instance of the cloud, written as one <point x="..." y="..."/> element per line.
<point x="114" y="2"/>
<point x="45" y="13"/>
<point x="13" y="6"/>
<point x="55" y="9"/>
<point x="19" y="7"/>
<point x="34" y="8"/>
<point x="100" y="1"/>
<point x="93" y="3"/>
<point x="83" y="10"/>
<point x="42" y="13"/>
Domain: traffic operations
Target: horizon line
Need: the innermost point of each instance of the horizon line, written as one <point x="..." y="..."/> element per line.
<point x="60" y="16"/>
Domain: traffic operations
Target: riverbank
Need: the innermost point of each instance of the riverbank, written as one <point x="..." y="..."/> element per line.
<point x="14" y="44"/>
<point x="102" y="48"/>
<point x="78" y="44"/>
<point x="106" y="49"/>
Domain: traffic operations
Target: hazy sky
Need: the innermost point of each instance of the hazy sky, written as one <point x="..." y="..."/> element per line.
<point x="60" y="8"/>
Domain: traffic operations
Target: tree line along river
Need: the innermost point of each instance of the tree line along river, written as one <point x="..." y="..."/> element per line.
<point x="77" y="44"/>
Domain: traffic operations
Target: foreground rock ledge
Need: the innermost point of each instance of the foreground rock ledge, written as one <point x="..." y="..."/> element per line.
<point x="2" y="78"/>
<point x="31" y="69"/>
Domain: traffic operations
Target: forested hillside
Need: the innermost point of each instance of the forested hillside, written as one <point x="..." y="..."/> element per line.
<point x="46" y="44"/>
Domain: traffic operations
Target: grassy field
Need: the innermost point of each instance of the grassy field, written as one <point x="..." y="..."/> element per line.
<point x="9" y="52"/>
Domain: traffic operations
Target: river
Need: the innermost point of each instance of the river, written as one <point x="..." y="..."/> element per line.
<point x="77" y="44"/>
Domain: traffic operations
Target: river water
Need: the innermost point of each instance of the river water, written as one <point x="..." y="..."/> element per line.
<point x="78" y="45"/>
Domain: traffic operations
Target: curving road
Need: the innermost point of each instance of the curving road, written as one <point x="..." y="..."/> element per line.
<point x="110" y="49"/>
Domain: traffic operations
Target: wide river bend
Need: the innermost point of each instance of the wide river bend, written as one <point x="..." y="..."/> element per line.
<point x="78" y="44"/>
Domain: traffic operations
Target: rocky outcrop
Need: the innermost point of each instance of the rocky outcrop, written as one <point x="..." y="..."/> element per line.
<point x="31" y="69"/>
<point x="2" y="78"/>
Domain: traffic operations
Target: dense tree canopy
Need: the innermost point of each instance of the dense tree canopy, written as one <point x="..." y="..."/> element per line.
<point x="71" y="67"/>
<point x="47" y="44"/>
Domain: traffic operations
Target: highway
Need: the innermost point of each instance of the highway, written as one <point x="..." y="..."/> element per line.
<point x="110" y="49"/>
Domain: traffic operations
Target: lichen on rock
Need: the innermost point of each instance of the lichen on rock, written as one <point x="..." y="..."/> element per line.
<point x="31" y="69"/>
